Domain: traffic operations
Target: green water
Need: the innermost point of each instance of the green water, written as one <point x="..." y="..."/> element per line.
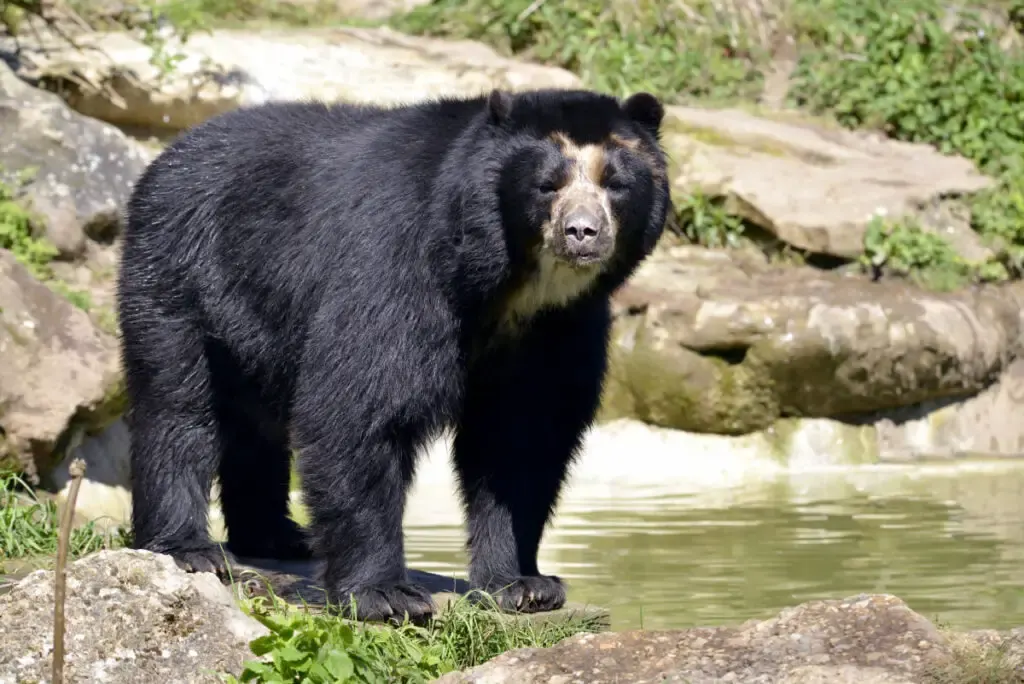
<point x="950" y="542"/>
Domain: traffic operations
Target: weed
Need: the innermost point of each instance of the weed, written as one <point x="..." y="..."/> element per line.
<point x="315" y="648"/>
<point x="29" y="525"/>
<point x="19" y="236"/>
<point x="903" y="247"/>
<point x="975" y="663"/>
<point x="704" y="220"/>
<point x="17" y="233"/>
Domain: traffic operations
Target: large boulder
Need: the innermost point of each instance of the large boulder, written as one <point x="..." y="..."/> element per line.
<point x="130" y="617"/>
<point x="706" y="342"/>
<point x="860" y="640"/>
<point x="78" y="171"/>
<point x="816" y="187"/>
<point x="113" y="79"/>
<point x="59" y="373"/>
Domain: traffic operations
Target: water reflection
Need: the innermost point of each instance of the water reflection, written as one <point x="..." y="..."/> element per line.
<point x="950" y="541"/>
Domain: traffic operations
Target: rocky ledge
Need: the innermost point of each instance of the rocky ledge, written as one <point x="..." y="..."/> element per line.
<point x="869" y="639"/>
<point x="134" y="616"/>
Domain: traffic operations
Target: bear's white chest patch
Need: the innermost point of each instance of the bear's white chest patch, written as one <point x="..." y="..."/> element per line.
<point x="553" y="284"/>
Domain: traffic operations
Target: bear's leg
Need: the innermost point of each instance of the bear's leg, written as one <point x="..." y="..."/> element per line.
<point x="526" y="408"/>
<point x="355" y="489"/>
<point x="254" y="479"/>
<point x="175" y="442"/>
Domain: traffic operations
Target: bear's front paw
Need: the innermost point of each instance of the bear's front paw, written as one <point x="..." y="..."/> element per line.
<point x="529" y="594"/>
<point x="203" y="558"/>
<point x="388" y="602"/>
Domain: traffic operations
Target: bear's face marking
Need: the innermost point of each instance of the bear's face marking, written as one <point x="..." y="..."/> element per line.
<point x="582" y="226"/>
<point x="578" y="193"/>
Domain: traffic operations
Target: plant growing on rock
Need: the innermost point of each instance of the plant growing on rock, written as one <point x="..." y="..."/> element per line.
<point x="317" y="648"/>
<point x="18" y="235"/>
<point x="705" y="221"/>
<point x="903" y="247"/>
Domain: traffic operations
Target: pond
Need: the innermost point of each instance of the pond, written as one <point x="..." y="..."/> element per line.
<point x="948" y="539"/>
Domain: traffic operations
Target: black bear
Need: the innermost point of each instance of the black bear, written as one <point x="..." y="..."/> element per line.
<point x="350" y="281"/>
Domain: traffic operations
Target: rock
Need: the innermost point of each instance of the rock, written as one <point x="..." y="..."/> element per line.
<point x="297" y="583"/>
<point x="863" y="640"/>
<point x="373" y="10"/>
<point x="365" y="9"/>
<point x="80" y="170"/>
<point x="59" y="374"/>
<point x="705" y="343"/>
<point x="815" y="187"/>
<point x="228" y="68"/>
<point x="131" y="616"/>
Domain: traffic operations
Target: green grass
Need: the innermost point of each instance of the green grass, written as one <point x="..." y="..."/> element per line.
<point x="19" y="234"/>
<point x="319" y="648"/>
<point x="29" y="526"/>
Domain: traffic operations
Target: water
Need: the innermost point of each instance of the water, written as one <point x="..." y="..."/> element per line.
<point x="947" y="539"/>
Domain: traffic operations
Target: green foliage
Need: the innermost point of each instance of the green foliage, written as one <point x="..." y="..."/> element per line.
<point x="17" y="234"/>
<point x="319" y="648"/>
<point x="669" y="48"/>
<point x="34" y="252"/>
<point x="894" y="67"/>
<point x="29" y="525"/>
<point x="705" y="221"/>
<point x="902" y="247"/>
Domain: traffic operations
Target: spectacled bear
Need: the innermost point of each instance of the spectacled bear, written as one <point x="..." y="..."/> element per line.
<point x="351" y="280"/>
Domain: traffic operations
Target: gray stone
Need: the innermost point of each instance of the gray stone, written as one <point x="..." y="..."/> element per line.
<point x="864" y="639"/>
<point x="59" y="373"/>
<point x="131" y="617"/>
<point x="79" y="170"/>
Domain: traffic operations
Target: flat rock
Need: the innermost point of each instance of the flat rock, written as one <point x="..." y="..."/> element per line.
<point x="296" y="583"/>
<point x="80" y="171"/>
<point x="225" y="69"/>
<point x="131" y="617"/>
<point x="59" y="373"/>
<point x="816" y="187"/>
<point x="707" y="343"/>
<point x="863" y="640"/>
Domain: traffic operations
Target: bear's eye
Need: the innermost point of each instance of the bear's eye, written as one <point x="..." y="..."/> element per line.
<point x="616" y="183"/>
<point x="547" y="188"/>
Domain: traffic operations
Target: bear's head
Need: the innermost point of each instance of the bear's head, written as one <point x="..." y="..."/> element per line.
<point x="583" y="190"/>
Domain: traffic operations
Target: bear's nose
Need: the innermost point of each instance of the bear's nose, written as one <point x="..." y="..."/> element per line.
<point x="582" y="225"/>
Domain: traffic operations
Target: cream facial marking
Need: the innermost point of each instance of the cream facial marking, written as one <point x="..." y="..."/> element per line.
<point x="576" y="241"/>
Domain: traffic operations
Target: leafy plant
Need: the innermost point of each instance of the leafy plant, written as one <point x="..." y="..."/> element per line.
<point x="705" y="221"/>
<point x="34" y="252"/>
<point x="902" y="247"/>
<point x="321" y="648"/>
<point x="17" y="233"/>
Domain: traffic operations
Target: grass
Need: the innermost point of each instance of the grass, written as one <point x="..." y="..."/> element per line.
<point x="974" y="663"/>
<point x="29" y="526"/>
<point x="20" y="234"/>
<point x="319" y="648"/>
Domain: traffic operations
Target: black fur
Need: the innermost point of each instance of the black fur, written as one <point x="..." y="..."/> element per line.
<point x="331" y="276"/>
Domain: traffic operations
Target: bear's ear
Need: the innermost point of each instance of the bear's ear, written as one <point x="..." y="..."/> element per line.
<point x="645" y="109"/>
<point x="499" y="106"/>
